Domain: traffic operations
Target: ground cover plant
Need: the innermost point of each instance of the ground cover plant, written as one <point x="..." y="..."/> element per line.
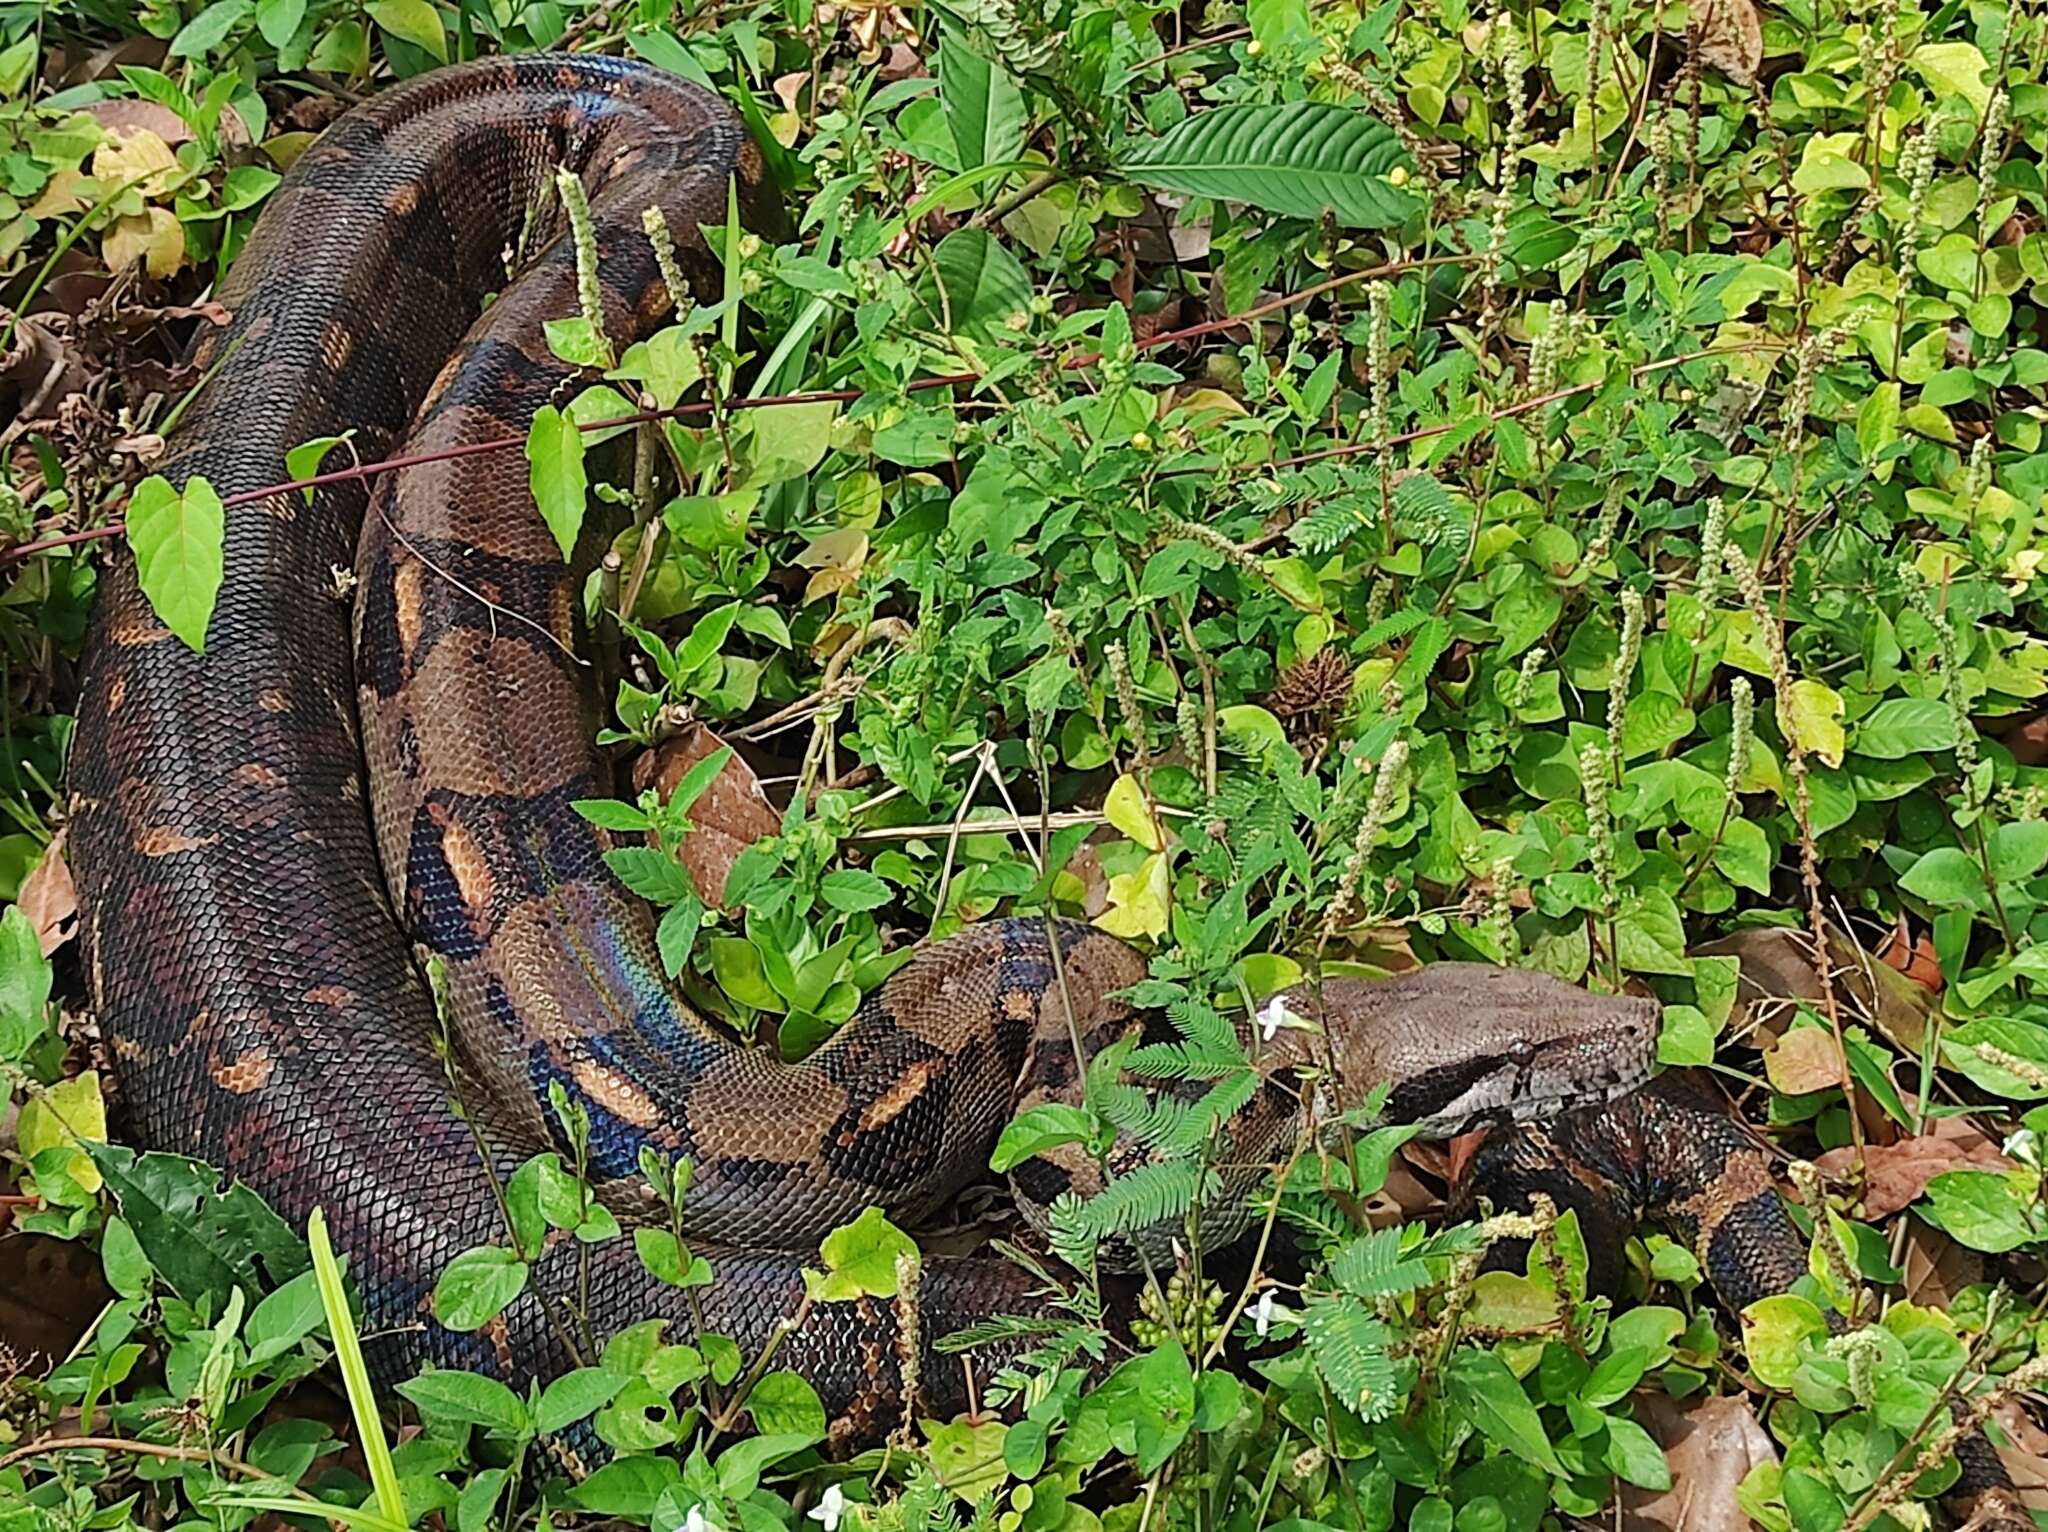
<point x="1308" y="487"/>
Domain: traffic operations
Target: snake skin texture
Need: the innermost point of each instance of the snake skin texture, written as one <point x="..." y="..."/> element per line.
<point x="1672" y="1153"/>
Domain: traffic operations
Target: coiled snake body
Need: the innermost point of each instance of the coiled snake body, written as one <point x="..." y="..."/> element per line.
<point x="255" y="899"/>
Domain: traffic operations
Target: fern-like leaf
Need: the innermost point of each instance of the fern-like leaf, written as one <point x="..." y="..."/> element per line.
<point x="1373" y="1266"/>
<point x="1151" y="1194"/>
<point x="1349" y="1346"/>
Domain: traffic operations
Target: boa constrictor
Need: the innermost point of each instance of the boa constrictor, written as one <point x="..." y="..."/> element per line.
<point x="256" y="898"/>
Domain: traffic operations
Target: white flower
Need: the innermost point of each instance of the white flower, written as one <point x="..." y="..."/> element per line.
<point x="830" y="1508"/>
<point x="1274" y="1017"/>
<point x="695" y="1522"/>
<point x="2025" y="1146"/>
<point x="1265" y="1311"/>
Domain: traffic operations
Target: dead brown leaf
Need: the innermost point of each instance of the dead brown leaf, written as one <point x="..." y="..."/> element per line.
<point x="731" y="815"/>
<point x="1730" y="37"/>
<point x="50" y="899"/>
<point x="1710" y="1446"/>
<point x="2025" y="1455"/>
<point x="50" y="1292"/>
<point x="1803" y="1062"/>
<point x="128" y="115"/>
<point x="1896" y="1174"/>
<point x="1937" y="1268"/>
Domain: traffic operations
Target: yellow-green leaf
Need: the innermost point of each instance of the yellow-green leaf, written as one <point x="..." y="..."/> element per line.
<point x="1811" y="713"/>
<point x="1954" y="69"/>
<point x="69" y="1112"/>
<point x="413" y="21"/>
<point x="1138" y="900"/>
<point x="1126" y="808"/>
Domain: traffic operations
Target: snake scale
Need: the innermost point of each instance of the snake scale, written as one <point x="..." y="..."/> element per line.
<point x="361" y="770"/>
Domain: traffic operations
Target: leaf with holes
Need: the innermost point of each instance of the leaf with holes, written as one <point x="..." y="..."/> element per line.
<point x="1302" y="159"/>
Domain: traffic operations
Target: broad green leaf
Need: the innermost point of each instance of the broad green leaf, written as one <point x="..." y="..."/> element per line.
<point x="304" y="460"/>
<point x="413" y="21"/>
<point x="1038" y="1128"/>
<point x="467" y="1399"/>
<point x="1126" y="809"/>
<point x="860" y="1259"/>
<point x="209" y="29"/>
<point x="554" y="454"/>
<point x="575" y="1395"/>
<point x="24" y="985"/>
<point x="853" y="889"/>
<point x="1302" y="159"/>
<point x="1954" y="69"/>
<point x="2019" y="850"/>
<point x="1982" y="1210"/>
<point x="477" y="1285"/>
<point x="72" y="1112"/>
<point x="1773" y="1332"/>
<point x="784" y="1404"/>
<point x="1947" y="877"/>
<point x="787" y="442"/>
<point x="1903" y="726"/>
<point x="1493" y="1399"/>
<point x="178" y="541"/>
<point x="278" y="20"/>
<point x="1635" y="1456"/>
<point x="1877" y="427"/>
<point x="985" y="110"/>
<point x="976" y="287"/>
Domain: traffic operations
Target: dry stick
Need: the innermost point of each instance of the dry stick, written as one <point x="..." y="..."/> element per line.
<point x="760" y="401"/>
<point x="42" y="1446"/>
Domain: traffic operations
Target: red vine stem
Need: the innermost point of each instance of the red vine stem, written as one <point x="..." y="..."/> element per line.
<point x="19" y="551"/>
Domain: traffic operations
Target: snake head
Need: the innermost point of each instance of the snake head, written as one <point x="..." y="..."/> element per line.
<point x="1463" y="1045"/>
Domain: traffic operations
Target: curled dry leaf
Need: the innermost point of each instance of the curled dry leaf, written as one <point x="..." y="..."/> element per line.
<point x="1730" y="38"/>
<point x="1710" y="1446"/>
<point x="50" y="899"/>
<point x="733" y="813"/>
<point x="1896" y="1174"/>
<point x="1911" y="955"/>
<point x="2025" y="1454"/>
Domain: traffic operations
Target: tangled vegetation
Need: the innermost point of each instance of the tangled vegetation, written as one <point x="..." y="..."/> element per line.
<point x="1305" y="486"/>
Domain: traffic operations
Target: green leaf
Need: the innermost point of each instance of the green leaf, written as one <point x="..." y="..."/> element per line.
<point x="278" y="20"/>
<point x="1982" y="1210"/>
<point x="209" y="29"/>
<point x="304" y="460"/>
<point x="784" y="1404"/>
<point x="661" y="1254"/>
<point x="1811" y="713"/>
<point x="413" y="21"/>
<point x="984" y="108"/>
<point x="1038" y="1128"/>
<point x="654" y="875"/>
<point x="2019" y="850"/>
<point x="1634" y="1456"/>
<point x="860" y="1259"/>
<point x="554" y="453"/>
<point x="977" y="288"/>
<point x="284" y="1318"/>
<point x="575" y="1395"/>
<point x="24" y="985"/>
<point x="1946" y="877"/>
<point x="1877" y="427"/>
<point x="1954" y="69"/>
<point x="477" y="1285"/>
<point x="611" y="814"/>
<point x="467" y="1399"/>
<point x="706" y="638"/>
<point x="1493" y="1399"/>
<point x="178" y="540"/>
<point x="787" y="442"/>
<point x="203" y="1241"/>
<point x="676" y="935"/>
<point x="1904" y="726"/>
<point x="1301" y="159"/>
<point x="853" y="890"/>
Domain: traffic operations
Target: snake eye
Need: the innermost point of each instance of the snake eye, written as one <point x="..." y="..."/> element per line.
<point x="1522" y="1051"/>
